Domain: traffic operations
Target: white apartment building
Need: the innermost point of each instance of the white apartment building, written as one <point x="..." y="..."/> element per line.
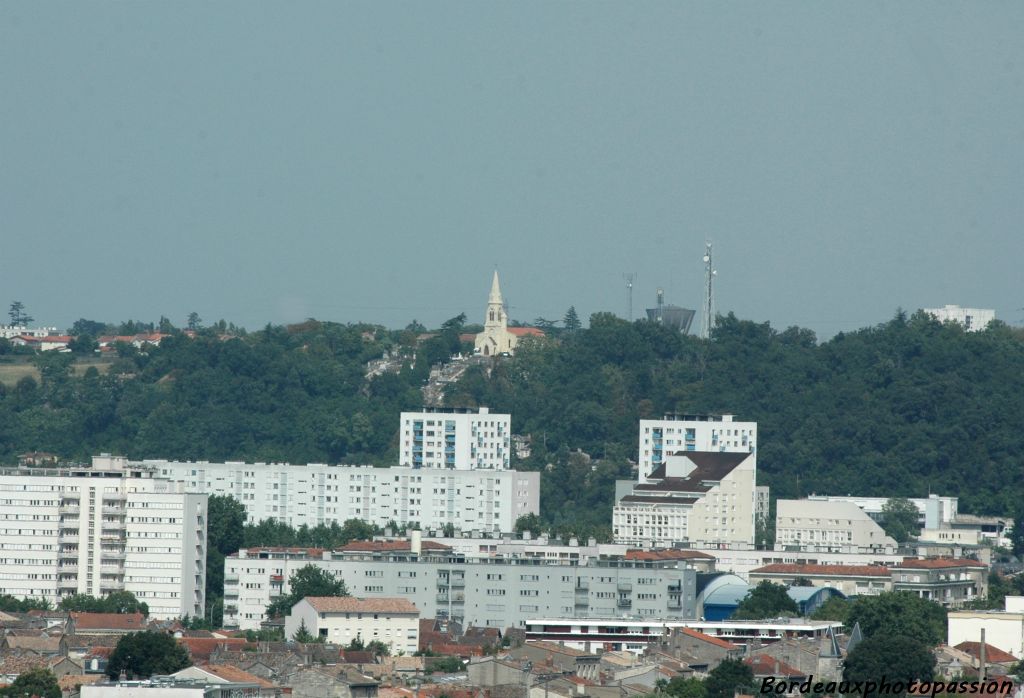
<point x="485" y="588"/>
<point x="450" y="438"/>
<point x="826" y="526"/>
<point x="934" y="511"/>
<point x="99" y="529"/>
<point x="343" y="619"/>
<point x="313" y="494"/>
<point x="12" y="331"/>
<point x="699" y="498"/>
<point x="972" y="319"/>
<point x="681" y="433"/>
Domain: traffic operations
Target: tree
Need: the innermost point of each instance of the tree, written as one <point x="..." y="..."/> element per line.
<point x="444" y="665"/>
<point x="836" y="608"/>
<point x="896" y="658"/>
<point x="727" y="678"/>
<point x="18" y="316"/>
<point x="140" y="655"/>
<point x="306" y="581"/>
<point x="194" y="321"/>
<point x="680" y="687"/>
<point x="766" y="600"/>
<point x="90" y="327"/>
<point x="531" y="523"/>
<point x="83" y="344"/>
<point x="802" y="582"/>
<point x="226" y="523"/>
<point x="899" y="519"/>
<point x="378" y="648"/>
<point x="116" y="602"/>
<point x="35" y="682"/>
<point x="1017" y="532"/>
<point x="303" y="635"/>
<point x="572" y="320"/>
<point x="11" y="603"/>
<point x="899" y="614"/>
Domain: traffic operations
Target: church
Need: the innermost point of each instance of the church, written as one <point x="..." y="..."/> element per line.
<point x="498" y="338"/>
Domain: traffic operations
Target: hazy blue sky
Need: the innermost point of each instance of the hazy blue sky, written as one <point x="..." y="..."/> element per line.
<point x="260" y="161"/>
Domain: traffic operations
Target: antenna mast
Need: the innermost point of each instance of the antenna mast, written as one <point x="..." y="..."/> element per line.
<point x="707" y="315"/>
<point x="630" y="278"/>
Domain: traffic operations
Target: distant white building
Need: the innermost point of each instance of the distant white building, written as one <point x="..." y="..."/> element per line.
<point x="12" y="331"/>
<point x="1003" y="628"/>
<point x="100" y="529"/>
<point x="972" y="319"/>
<point x="934" y="511"/>
<point x="698" y="497"/>
<point x="470" y="500"/>
<point x="828" y="526"/>
<point x="678" y="433"/>
<point x="455" y="439"/>
<point x="344" y="619"/>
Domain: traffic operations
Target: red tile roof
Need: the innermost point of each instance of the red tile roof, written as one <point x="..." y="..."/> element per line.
<point x="526" y="331"/>
<point x="826" y="570"/>
<point x="352" y="604"/>
<point x="375" y="546"/>
<point x="937" y="563"/>
<point x="992" y="654"/>
<point x="200" y="648"/>
<point x="235" y="675"/>
<point x="766" y="665"/>
<point x="673" y="554"/>
<point x="709" y="638"/>
<point x="108" y="621"/>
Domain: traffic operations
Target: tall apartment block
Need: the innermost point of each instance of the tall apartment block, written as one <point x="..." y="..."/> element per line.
<point x="470" y="500"/>
<point x="100" y="529"/>
<point x="455" y="439"/>
<point x="679" y="433"/>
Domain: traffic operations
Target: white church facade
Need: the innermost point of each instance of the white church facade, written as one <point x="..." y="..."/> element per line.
<point x="498" y="339"/>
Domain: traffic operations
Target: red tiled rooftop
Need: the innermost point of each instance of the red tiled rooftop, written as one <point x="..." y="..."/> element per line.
<point x="526" y="331"/>
<point x="937" y="563"/>
<point x="709" y="638"/>
<point x="826" y="570"/>
<point x="766" y="665"/>
<point x="375" y="546"/>
<point x="200" y="648"/>
<point x="673" y="554"/>
<point x="992" y="654"/>
<point x="108" y="621"/>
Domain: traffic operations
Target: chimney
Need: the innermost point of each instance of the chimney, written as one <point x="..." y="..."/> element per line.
<point x="416" y="542"/>
<point x="981" y="660"/>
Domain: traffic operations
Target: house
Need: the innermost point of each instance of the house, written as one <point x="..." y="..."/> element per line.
<point x="765" y="667"/>
<point x="709" y="650"/>
<point x="330" y="682"/>
<point x="106" y="623"/>
<point x="555" y="657"/>
<point x="851" y="580"/>
<point x="37" y="643"/>
<point x="994" y="657"/>
<point x="951" y="582"/>
<point x="201" y="649"/>
<point x="342" y="619"/>
<point x="225" y="674"/>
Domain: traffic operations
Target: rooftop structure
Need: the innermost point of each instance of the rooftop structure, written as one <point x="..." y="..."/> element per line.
<point x="972" y="319"/>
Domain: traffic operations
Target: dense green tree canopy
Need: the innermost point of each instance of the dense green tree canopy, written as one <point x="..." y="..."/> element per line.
<point x="892" y="657"/>
<point x="766" y="600"/>
<point x="899" y="519"/>
<point x="728" y="678"/>
<point x="899" y="614"/>
<point x="141" y="655"/>
<point x="35" y="682"/>
<point x="117" y="602"/>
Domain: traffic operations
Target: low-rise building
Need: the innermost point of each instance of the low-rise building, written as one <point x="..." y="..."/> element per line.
<point x="829" y="526"/>
<point x="851" y="580"/>
<point x="950" y="582"/>
<point x="682" y="433"/>
<point x="345" y="619"/>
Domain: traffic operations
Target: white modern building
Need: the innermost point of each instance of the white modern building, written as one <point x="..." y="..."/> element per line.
<point x="485" y="588"/>
<point x="12" y="331"/>
<point x="313" y="494"/>
<point x="449" y="438"/>
<point x="1003" y="628"/>
<point x="839" y="527"/>
<point x="99" y="529"/>
<point x="344" y="619"/>
<point x="698" y="498"/>
<point x="972" y="319"/>
<point x="934" y="511"/>
<point x="680" y="433"/>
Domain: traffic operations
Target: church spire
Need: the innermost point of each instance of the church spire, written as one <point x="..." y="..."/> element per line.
<point x="495" y="296"/>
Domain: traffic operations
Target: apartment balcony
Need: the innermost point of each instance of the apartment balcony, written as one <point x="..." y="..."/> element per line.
<point x="625" y="586"/>
<point x="442" y="598"/>
<point x="675" y="603"/>
<point x="625" y="603"/>
<point x="231" y="593"/>
<point x="458" y="597"/>
<point x="68" y="568"/>
<point x="277" y="579"/>
<point x="231" y="578"/>
<point x="112" y="555"/>
<point x="114" y="497"/>
<point x="230" y="608"/>
<point x="67" y="583"/>
<point x="458" y="581"/>
<point x="70" y="539"/>
<point x="114" y="510"/>
<point x="582" y="601"/>
<point x="582" y="585"/>
<point x="69" y="509"/>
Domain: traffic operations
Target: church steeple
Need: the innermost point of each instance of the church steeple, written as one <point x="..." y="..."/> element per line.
<point x="495" y="296"/>
<point x="495" y="305"/>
